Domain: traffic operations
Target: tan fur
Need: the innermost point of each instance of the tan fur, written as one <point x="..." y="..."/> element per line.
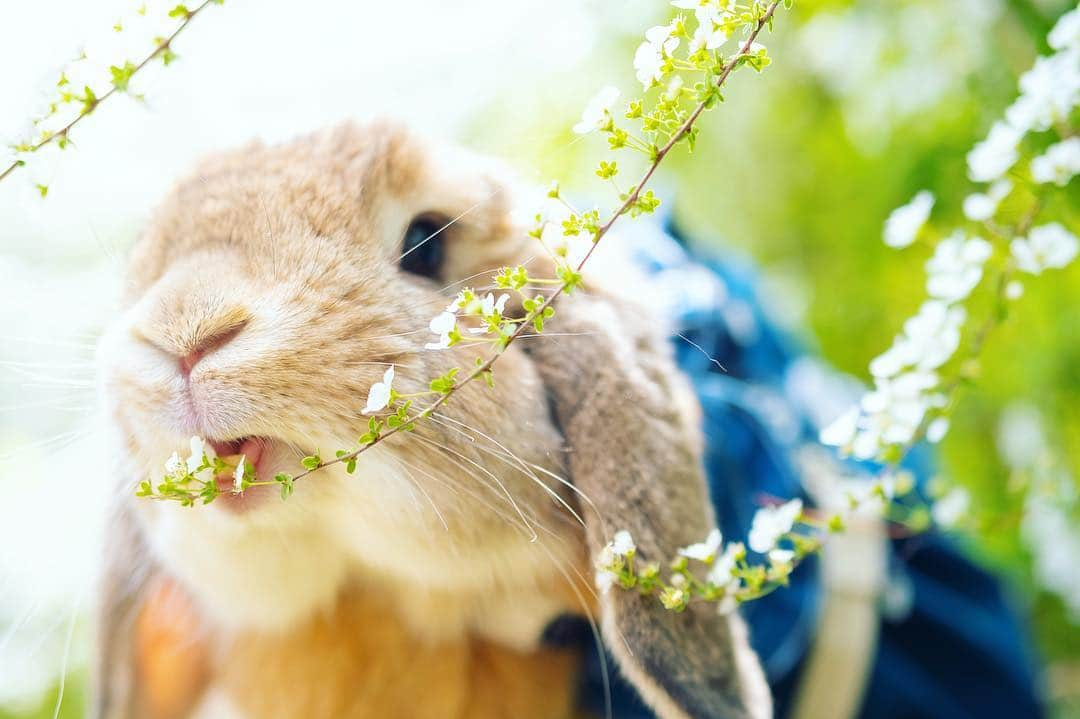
<point x="359" y="662"/>
<point x="172" y="659"/>
<point x="419" y="586"/>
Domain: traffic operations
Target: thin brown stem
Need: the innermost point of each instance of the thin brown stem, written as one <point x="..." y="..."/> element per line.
<point x="90" y="107"/>
<point x="628" y="203"/>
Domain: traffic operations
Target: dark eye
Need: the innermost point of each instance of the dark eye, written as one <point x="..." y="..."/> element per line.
<point x="422" y="249"/>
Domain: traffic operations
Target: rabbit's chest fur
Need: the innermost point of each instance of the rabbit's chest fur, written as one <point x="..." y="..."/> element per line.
<point x="361" y="661"/>
<point x="439" y="572"/>
<point x="383" y="607"/>
<point x="358" y="660"/>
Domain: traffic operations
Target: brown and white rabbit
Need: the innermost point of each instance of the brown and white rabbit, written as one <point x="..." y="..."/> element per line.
<point x="265" y="297"/>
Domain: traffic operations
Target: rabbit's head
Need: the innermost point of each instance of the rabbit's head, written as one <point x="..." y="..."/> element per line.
<point x="271" y="289"/>
<point x="274" y="286"/>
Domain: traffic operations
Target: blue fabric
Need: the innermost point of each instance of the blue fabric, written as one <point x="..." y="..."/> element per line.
<point x="957" y="651"/>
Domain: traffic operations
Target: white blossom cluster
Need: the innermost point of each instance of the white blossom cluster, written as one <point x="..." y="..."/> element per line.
<point x="445" y="324"/>
<point x="729" y="578"/>
<point x="910" y="397"/>
<point x="1049" y="92"/>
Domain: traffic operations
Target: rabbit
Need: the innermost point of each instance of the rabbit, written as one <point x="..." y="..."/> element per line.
<point x="269" y="290"/>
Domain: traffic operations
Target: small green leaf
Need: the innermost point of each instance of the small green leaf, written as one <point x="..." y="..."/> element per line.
<point x="445" y="383"/>
<point x="121" y="76"/>
<point x="286" y="482"/>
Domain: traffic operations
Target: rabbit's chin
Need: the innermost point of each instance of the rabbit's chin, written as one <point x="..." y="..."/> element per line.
<point x="446" y="568"/>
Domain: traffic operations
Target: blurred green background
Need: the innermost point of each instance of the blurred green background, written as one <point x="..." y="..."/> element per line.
<point x="867" y="102"/>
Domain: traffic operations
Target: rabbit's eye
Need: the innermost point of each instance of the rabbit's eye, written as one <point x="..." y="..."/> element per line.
<point x="422" y="248"/>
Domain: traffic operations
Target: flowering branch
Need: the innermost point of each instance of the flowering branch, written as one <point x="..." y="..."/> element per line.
<point x="669" y="121"/>
<point x="88" y="100"/>
<point x="541" y="311"/>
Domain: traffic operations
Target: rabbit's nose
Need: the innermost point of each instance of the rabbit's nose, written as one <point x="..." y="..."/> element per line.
<point x="202" y="344"/>
<point x="188" y="334"/>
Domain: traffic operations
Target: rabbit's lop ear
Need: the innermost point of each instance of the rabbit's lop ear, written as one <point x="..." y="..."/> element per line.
<point x="631" y="423"/>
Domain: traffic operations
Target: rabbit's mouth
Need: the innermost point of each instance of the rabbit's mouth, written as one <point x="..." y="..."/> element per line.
<point x="255" y="452"/>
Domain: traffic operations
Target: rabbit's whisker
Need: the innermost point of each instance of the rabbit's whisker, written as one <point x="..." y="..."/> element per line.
<point x="54" y="444"/>
<point x="558" y="478"/>
<point x="517" y="462"/>
<point x="509" y="497"/>
<point x="459" y="489"/>
<point x="396" y="334"/>
<point x="594" y="627"/>
<point x="427" y="496"/>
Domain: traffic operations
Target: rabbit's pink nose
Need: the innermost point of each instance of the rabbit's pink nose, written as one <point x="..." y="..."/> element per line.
<point x="188" y="361"/>
<point x="208" y="344"/>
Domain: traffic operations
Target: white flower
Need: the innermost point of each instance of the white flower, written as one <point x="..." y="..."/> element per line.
<point x="956" y="267"/>
<point x="649" y="58"/>
<point x="1046" y="247"/>
<point x="937" y="429"/>
<point x="992" y="158"/>
<point x="605" y="580"/>
<point x="1066" y="33"/>
<point x="442" y="324"/>
<point x="238" y="476"/>
<point x="721" y="571"/>
<point x="489" y="305"/>
<point x="948" y="510"/>
<point x="1059" y="164"/>
<point x="597" y="113"/>
<point x="707" y="35"/>
<point x="981" y="207"/>
<point x="198" y="450"/>
<point x="1021" y="436"/>
<point x="893" y="412"/>
<point x="1049" y="92"/>
<point x="841" y="431"/>
<point x="648" y="64"/>
<point x="904" y="222"/>
<point x="781" y="556"/>
<point x="930" y="338"/>
<point x="1014" y="290"/>
<point x="172" y="464"/>
<point x="660" y="36"/>
<point x="703" y="551"/>
<point x="622" y="545"/>
<point x="456" y="304"/>
<point x="379" y="394"/>
<point x="772" y="523"/>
